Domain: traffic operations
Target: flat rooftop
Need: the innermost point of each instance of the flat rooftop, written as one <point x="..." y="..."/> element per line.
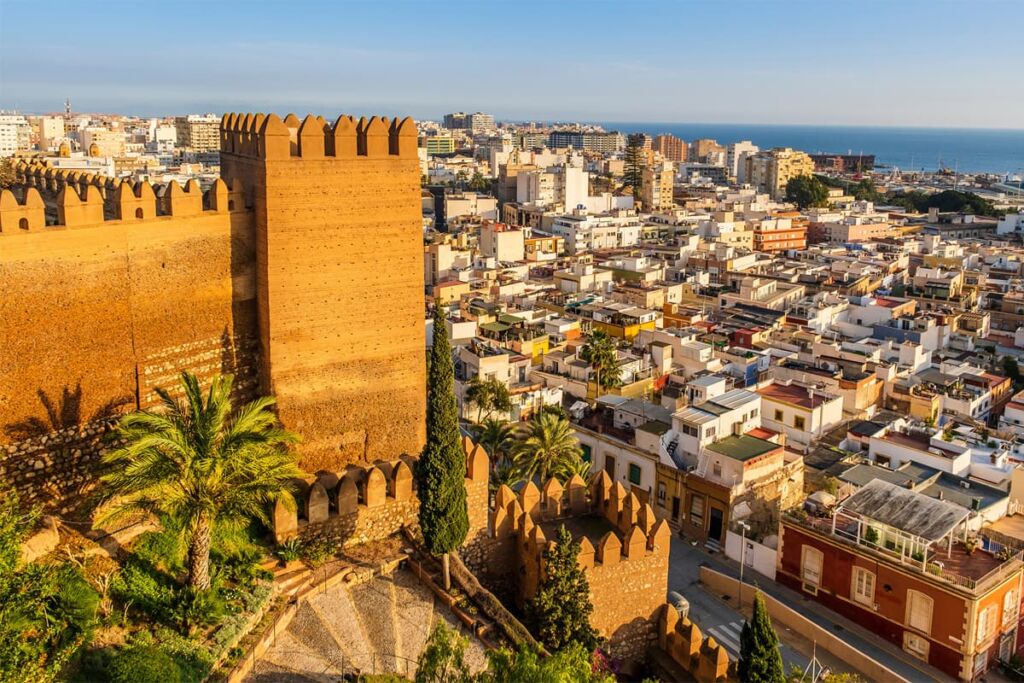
<point x="743" y="447"/>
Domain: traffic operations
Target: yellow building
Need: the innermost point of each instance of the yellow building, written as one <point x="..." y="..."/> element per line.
<point x="770" y="171"/>
<point x="656" y="188"/>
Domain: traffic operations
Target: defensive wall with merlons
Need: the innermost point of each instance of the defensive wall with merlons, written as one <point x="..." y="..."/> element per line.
<point x="299" y="271"/>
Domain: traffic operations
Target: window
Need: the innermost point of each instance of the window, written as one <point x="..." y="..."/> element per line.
<point x="980" y="663"/>
<point x="634" y="474"/>
<point x="919" y="611"/>
<point x="916" y="645"/>
<point x="1010" y="607"/>
<point x="863" y="587"/>
<point x="778" y="416"/>
<point x="675" y="507"/>
<point x="753" y="413"/>
<point x="586" y="452"/>
<point x="811" y="561"/>
<point x="710" y="432"/>
<point x="690" y="430"/>
<point x="798" y="422"/>
<point x="985" y="623"/>
<point x="661" y="493"/>
<point x="697" y="511"/>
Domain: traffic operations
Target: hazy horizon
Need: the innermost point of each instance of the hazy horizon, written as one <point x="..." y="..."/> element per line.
<point x="939" y="64"/>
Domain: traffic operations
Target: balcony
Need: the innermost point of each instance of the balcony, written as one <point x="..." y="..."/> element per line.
<point x="930" y="538"/>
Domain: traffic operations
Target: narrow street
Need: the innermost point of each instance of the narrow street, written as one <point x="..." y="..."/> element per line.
<point x="717" y="617"/>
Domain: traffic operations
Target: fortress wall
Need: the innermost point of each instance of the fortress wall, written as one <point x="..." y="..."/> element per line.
<point x="339" y="282"/>
<point x="96" y="315"/>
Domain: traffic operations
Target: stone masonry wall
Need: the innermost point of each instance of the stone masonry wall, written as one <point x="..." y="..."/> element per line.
<point x="369" y="503"/>
<point x="95" y="315"/>
<point x="627" y="568"/>
<point x="339" y="280"/>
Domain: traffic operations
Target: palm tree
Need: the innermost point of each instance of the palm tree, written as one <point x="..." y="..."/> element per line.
<point x="200" y="462"/>
<point x="498" y="437"/>
<point x="547" y="446"/>
<point x="600" y="351"/>
<point x="488" y="395"/>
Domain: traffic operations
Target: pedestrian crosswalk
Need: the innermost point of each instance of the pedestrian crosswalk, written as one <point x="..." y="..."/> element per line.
<point x="728" y="635"/>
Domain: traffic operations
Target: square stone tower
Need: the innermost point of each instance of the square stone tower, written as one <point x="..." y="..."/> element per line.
<point x="339" y="279"/>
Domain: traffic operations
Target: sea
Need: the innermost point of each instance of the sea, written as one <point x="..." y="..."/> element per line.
<point x="969" y="150"/>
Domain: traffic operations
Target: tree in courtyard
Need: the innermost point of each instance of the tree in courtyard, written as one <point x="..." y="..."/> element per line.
<point x="1012" y="370"/>
<point x="806" y="191"/>
<point x="489" y="396"/>
<point x="200" y="462"/>
<point x="574" y="663"/>
<point x="441" y="470"/>
<point x="443" y="660"/>
<point x="635" y="162"/>
<point x="600" y="351"/>
<point x="547" y="447"/>
<point x="498" y="437"/>
<point x="560" y="611"/>
<point x="760" y="659"/>
<point x="865" y="190"/>
<point x="479" y="183"/>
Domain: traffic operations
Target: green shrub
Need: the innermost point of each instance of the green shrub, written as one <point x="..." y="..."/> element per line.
<point x="196" y="608"/>
<point x="76" y="601"/>
<point x="317" y="551"/>
<point x="194" y="658"/>
<point x="290" y="550"/>
<point x="144" y="664"/>
<point x="145" y="590"/>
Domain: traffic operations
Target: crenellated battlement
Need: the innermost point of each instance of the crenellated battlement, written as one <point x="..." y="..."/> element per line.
<point x="634" y="532"/>
<point x="702" y="656"/>
<point x="269" y="137"/>
<point x="84" y="200"/>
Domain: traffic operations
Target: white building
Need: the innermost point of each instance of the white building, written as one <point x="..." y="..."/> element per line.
<point x="15" y="134"/>
<point x="584" y="233"/>
<point x="736" y="158"/>
<point x="803" y="413"/>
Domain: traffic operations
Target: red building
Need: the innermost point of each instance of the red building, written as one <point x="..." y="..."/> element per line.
<point x="900" y="564"/>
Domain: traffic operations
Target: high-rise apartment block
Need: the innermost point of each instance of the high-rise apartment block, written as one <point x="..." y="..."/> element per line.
<point x="671" y="148"/>
<point x="51" y="131"/>
<point x="198" y="132"/>
<point x="475" y="123"/>
<point x="15" y="134"/>
<point x="589" y="141"/>
<point x="706" y="151"/>
<point x="656" y="188"/>
<point x="769" y="171"/>
<point x="736" y="158"/>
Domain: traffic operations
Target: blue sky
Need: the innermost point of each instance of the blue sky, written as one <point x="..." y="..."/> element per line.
<point x="849" y="62"/>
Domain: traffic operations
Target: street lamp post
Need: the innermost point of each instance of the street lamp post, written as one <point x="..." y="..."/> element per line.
<point x="744" y="528"/>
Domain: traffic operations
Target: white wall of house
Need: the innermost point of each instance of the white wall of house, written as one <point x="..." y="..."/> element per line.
<point x="603" y="447"/>
<point x="756" y="556"/>
<point x="783" y="417"/>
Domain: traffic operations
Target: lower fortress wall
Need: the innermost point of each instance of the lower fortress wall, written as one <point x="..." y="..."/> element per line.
<point x="94" y="318"/>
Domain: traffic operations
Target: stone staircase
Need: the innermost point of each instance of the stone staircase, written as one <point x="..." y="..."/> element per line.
<point x="377" y="626"/>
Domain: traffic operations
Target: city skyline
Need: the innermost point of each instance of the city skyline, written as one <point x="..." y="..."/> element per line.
<point x="777" y="63"/>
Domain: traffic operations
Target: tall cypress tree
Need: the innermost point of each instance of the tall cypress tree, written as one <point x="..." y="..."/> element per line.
<point x="560" y="611"/>
<point x="441" y="470"/>
<point x="760" y="659"/>
<point x="635" y="161"/>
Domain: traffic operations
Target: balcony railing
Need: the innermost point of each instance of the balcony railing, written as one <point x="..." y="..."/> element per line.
<point x="928" y="561"/>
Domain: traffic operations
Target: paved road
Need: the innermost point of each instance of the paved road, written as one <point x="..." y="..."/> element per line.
<point x="684" y="577"/>
<point x="713" y="615"/>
